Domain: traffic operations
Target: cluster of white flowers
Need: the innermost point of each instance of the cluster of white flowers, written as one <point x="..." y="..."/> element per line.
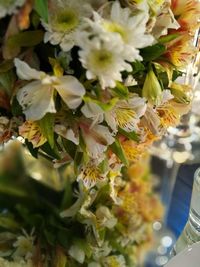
<point x="9" y="7"/>
<point x="107" y="43"/>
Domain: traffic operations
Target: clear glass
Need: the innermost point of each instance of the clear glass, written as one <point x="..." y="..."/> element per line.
<point x="191" y="232"/>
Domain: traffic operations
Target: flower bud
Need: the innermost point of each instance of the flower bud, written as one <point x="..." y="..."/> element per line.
<point x="152" y="90"/>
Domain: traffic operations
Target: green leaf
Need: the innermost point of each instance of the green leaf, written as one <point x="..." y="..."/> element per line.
<point x="152" y="52"/>
<point x="50" y="237"/>
<point x="105" y="106"/>
<point x="25" y="39"/>
<point x="67" y="196"/>
<point x="7" y="80"/>
<point x="6" y="65"/>
<point x="32" y="150"/>
<point x="118" y="150"/>
<point x="130" y="135"/>
<point x="12" y="190"/>
<point x="168" y="38"/>
<point x="77" y="161"/>
<point x="47" y="128"/>
<point x="8" y="222"/>
<point x="137" y="67"/>
<point x="70" y="147"/>
<point x="52" y="152"/>
<point x="63" y="237"/>
<point x="121" y="91"/>
<point x="41" y="7"/>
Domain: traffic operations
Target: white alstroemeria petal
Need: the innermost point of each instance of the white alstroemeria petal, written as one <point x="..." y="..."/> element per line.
<point x="166" y="96"/>
<point x="66" y="133"/>
<point x="97" y="140"/>
<point x="70" y="90"/>
<point x="36" y="100"/>
<point x="77" y="253"/>
<point x="93" y="111"/>
<point x="71" y="136"/>
<point x="24" y="72"/>
<point x="110" y="118"/>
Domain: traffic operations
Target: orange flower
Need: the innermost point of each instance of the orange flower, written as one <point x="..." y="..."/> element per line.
<point x="187" y="13"/>
<point x="181" y="51"/>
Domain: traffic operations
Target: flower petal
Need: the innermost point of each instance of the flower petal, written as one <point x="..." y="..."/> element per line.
<point x="36" y="100"/>
<point x="71" y="91"/>
<point x="25" y="72"/>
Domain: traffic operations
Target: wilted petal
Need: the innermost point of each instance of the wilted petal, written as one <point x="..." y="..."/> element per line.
<point x="25" y="72"/>
<point x="36" y="100"/>
<point x="71" y="91"/>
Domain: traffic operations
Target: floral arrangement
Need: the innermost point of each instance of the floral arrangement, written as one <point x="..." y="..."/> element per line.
<point x="90" y="85"/>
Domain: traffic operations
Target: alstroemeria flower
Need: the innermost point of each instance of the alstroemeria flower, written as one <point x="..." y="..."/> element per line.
<point x="31" y="131"/>
<point x="181" y="51"/>
<point x="37" y="97"/>
<point x="97" y="139"/>
<point x="125" y="114"/>
<point x="91" y="174"/>
<point x="188" y="14"/>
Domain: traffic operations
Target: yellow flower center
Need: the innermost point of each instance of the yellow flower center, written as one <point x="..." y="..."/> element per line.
<point x="125" y="117"/>
<point x="112" y="261"/>
<point x="116" y="28"/>
<point x="101" y="59"/>
<point x="91" y="175"/>
<point x="65" y="20"/>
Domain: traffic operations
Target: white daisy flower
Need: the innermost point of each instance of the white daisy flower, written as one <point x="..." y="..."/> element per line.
<point x="131" y="28"/>
<point x="9" y="7"/>
<point x="97" y="139"/>
<point x="24" y="246"/>
<point x="102" y="56"/>
<point x="64" y="21"/>
<point x="125" y="114"/>
<point x="37" y="97"/>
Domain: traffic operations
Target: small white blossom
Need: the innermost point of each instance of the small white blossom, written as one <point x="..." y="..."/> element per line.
<point x="64" y="22"/>
<point x="37" y="97"/>
<point x="102" y="57"/>
<point x="8" y="7"/>
<point x="24" y="246"/>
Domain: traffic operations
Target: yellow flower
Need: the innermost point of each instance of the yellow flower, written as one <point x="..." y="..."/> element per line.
<point x="31" y="131"/>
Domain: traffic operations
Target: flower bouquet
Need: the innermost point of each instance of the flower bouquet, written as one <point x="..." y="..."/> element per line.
<point x="88" y="86"/>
